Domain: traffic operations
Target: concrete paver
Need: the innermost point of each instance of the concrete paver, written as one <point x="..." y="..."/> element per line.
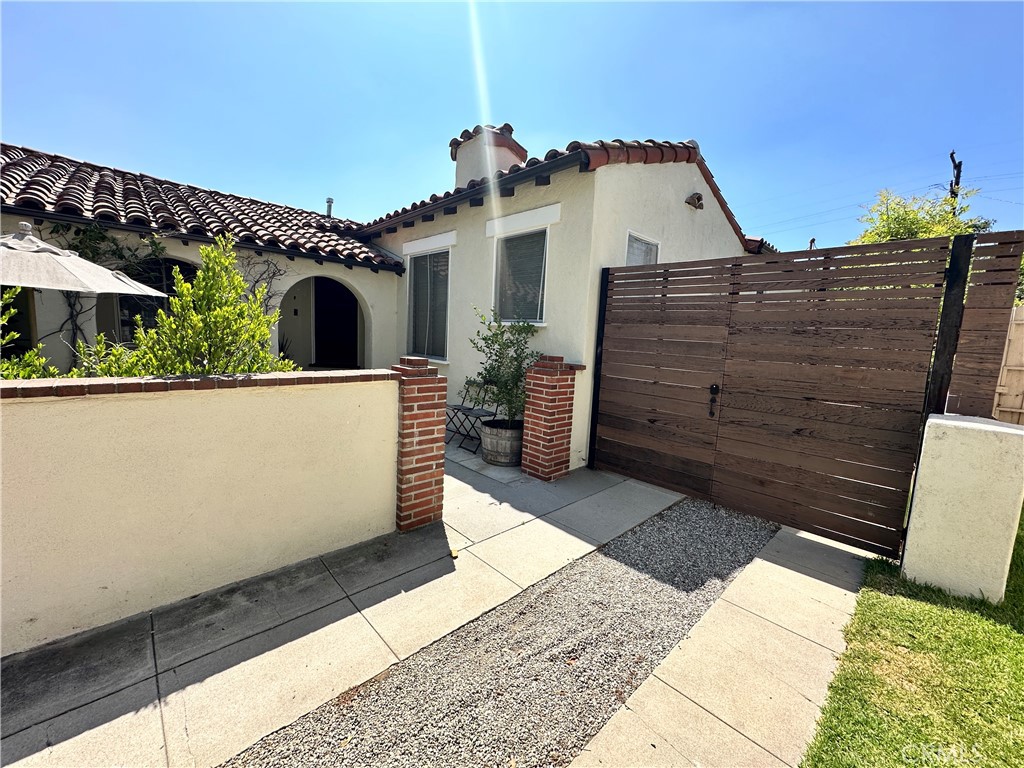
<point x="221" y="703"/>
<point x="190" y="629"/>
<point x="421" y="606"/>
<point x="364" y="565"/>
<point x="533" y="551"/>
<point x="614" y="510"/>
<point x="810" y="555"/>
<point x="774" y="597"/>
<point x="628" y="741"/>
<point x="39" y="685"/>
<point x="478" y="519"/>
<point x="574" y="486"/>
<point x="122" y="729"/>
<point x="694" y="732"/>
<point x="735" y="684"/>
<point x="790" y="659"/>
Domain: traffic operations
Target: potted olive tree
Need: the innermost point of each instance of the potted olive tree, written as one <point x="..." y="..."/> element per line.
<point x="507" y="356"/>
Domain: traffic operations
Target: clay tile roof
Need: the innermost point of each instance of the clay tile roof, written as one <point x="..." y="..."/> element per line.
<point x="500" y="136"/>
<point x="48" y="183"/>
<point x="592" y="155"/>
<point x="759" y="245"/>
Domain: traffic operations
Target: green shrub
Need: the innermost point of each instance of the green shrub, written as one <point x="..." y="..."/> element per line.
<point x="507" y="356"/>
<point x="215" y="326"/>
<point x="29" y="365"/>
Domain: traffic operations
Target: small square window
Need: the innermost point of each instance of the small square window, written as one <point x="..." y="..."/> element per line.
<point x="520" y="285"/>
<point x="640" y="251"/>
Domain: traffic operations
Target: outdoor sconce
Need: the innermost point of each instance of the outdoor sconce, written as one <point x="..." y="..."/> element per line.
<point x="696" y="200"/>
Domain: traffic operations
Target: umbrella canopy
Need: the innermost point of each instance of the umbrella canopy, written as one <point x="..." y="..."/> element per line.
<point x="28" y="261"/>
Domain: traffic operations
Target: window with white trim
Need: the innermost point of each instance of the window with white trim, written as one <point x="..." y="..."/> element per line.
<point x="640" y="251"/>
<point x="428" y="311"/>
<point x="520" y="278"/>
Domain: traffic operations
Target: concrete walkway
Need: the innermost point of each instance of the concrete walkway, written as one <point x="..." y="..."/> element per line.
<point x="197" y="682"/>
<point x="745" y="687"/>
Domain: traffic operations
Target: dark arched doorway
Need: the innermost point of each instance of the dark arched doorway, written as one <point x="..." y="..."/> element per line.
<point x="321" y="325"/>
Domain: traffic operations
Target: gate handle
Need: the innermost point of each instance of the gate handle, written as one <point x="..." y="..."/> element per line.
<point x="714" y="389"/>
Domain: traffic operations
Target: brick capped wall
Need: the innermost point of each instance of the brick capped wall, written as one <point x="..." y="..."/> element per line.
<point x="422" y="396"/>
<point x="547" y="422"/>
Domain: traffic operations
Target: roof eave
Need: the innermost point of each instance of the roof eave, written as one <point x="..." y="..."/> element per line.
<point x="576" y="159"/>
<point x="36" y="213"/>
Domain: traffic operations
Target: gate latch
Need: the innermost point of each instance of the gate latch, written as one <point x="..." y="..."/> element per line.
<point x="714" y="389"/>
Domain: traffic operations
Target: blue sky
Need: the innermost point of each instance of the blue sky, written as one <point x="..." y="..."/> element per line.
<point x="803" y="110"/>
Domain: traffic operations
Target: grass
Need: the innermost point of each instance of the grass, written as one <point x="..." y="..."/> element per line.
<point x="927" y="679"/>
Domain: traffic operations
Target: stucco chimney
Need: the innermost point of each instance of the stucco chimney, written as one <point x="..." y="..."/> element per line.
<point x="484" y="151"/>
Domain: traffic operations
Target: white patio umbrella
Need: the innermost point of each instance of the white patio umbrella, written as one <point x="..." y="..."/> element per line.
<point x="27" y="261"/>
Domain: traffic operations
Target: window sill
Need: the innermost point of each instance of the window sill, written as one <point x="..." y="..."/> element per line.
<point x="535" y="325"/>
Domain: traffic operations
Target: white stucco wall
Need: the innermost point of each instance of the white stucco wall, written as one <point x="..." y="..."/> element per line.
<point x="966" y="505"/>
<point x="376" y="294"/>
<point x="116" y="504"/>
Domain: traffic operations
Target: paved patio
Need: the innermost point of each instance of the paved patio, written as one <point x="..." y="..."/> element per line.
<point x="196" y="682"/>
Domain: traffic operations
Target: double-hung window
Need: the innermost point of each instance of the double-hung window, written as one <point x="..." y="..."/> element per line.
<point x="428" y="333"/>
<point x="520" y="277"/>
<point x="640" y="251"/>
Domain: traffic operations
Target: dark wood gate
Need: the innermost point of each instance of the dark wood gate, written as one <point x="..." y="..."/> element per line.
<point x="790" y="386"/>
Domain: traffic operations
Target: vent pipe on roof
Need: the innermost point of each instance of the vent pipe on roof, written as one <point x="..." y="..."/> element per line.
<point x="330" y="204"/>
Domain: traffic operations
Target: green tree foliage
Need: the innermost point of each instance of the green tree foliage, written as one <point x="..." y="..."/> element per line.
<point x="893" y="217"/>
<point x="507" y="356"/>
<point x="31" y="364"/>
<point x="215" y="326"/>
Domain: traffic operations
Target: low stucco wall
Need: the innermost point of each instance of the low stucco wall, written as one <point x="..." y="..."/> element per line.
<point x="114" y="504"/>
<point x="966" y="506"/>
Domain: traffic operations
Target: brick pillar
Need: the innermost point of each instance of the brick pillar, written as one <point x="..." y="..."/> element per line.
<point x="422" y="396"/>
<point x="547" y="429"/>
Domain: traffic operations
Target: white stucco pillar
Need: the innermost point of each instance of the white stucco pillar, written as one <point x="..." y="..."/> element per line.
<point x="966" y="506"/>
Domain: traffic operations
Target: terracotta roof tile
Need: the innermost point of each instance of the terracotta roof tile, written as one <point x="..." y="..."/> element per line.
<point x="593" y="155"/>
<point x="54" y="184"/>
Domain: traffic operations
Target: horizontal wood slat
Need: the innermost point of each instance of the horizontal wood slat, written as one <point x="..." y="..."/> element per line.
<point x="813" y="495"/>
<point x="987" y="314"/>
<point x="890" y="359"/>
<point x="659" y="331"/>
<point x="817" y="336"/>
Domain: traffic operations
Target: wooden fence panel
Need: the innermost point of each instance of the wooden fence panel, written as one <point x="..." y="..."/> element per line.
<point x="819" y="361"/>
<point x="987" y="314"/>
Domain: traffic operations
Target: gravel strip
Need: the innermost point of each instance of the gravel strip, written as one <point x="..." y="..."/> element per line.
<point x="531" y="682"/>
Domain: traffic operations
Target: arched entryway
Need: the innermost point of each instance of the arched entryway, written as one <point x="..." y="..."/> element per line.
<point x="322" y="325"/>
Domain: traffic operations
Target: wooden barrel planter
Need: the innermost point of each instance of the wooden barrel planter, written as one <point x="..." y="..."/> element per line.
<point x="502" y="446"/>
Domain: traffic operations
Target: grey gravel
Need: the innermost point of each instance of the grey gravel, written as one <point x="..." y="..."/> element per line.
<point x="531" y="682"/>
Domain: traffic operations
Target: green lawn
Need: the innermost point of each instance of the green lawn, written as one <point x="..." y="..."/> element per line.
<point x="927" y="678"/>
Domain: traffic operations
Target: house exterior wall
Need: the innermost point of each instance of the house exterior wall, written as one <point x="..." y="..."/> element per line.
<point x="472" y="272"/>
<point x="598" y="210"/>
<point x="376" y="294"/>
<point x="182" y="491"/>
<point x="649" y="200"/>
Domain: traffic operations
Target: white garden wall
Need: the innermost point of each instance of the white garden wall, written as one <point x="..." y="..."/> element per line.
<point x="116" y="503"/>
